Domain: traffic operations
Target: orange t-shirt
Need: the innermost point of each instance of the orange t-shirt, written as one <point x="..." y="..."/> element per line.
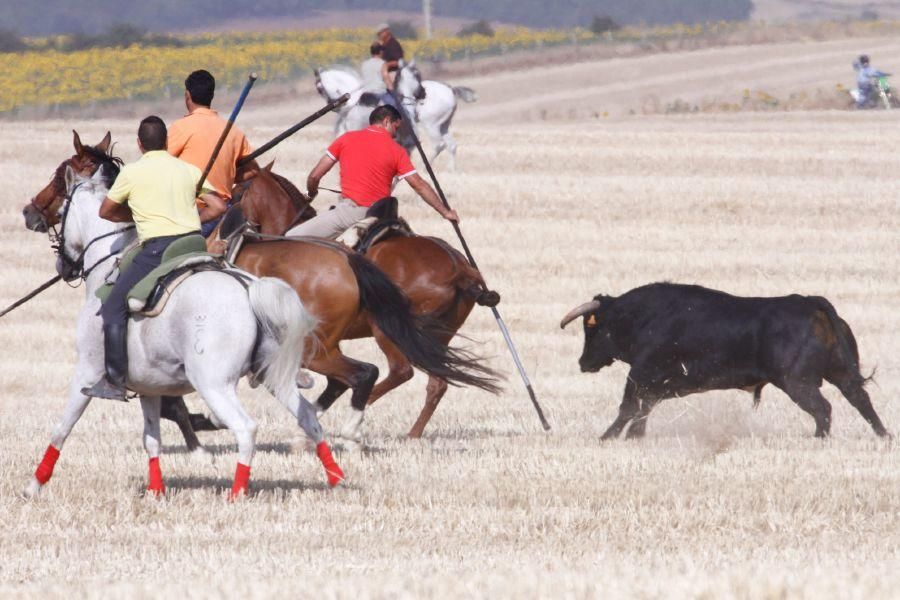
<point x="193" y="139"/>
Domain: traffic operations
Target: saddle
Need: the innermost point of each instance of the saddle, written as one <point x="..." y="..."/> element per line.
<point x="369" y="99"/>
<point x="183" y="258"/>
<point x="382" y="221"/>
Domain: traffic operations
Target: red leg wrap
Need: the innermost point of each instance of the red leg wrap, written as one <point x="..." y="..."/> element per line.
<point x="335" y="475"/>
<point x="45" y="469"/>
<point x="241" y="481"/>
<point x="156" y="486"/>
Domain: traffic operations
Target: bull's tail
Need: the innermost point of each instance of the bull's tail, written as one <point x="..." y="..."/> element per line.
<point x="847" y="350"/>
<point x="414" y="336"/>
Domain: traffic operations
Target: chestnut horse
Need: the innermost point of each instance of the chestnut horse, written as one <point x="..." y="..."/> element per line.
<point x="441" y="285"/>
<point x="338" y="287"/>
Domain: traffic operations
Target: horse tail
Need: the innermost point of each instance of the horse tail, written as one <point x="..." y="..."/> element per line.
<point x="466" y="94"/>
<point x="286" y="325"/>
<point x="416" y="337"/>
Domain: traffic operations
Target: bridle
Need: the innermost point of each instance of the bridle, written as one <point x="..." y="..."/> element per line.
<point x="75" y="266"/>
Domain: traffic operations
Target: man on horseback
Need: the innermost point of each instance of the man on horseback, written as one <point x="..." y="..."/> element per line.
<point x="372" y="72"/>
<point x="391" y="54"/>
<point x="866" y="77"/>
<point x="160" y="193"/>
<point x="370" y="159"/>
<point x="193" y="139"/>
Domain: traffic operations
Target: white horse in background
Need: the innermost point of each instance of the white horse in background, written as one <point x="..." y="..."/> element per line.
<point x="430" y="103"/>
<point x="216" y="327"/>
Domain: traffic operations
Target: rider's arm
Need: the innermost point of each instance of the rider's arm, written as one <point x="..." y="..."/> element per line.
<point x="248" y="169"/>
<point x="312" y="180"/>
<point x="115" y="211"/>
<point x="211" y="206"/>
<point x="386" y="75"/>
<point x="430" y="196"/>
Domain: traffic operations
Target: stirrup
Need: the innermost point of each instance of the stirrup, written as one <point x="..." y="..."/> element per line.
<point x="107" y="390"/>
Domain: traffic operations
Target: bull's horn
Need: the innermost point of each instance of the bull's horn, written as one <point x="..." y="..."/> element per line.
<point x="579" y="311"/>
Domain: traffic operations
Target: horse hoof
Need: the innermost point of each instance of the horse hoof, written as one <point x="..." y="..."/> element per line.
<point x="32" y="490"/>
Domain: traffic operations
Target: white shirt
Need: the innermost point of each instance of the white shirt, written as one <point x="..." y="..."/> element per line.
<point x="371" y="76"/>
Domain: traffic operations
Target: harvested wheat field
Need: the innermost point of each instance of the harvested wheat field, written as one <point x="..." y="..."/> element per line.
<point x="719" y="500"/>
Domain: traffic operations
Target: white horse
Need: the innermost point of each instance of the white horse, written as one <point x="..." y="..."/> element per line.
<point x="430" y="103"/>
<point x="216" y="327"/>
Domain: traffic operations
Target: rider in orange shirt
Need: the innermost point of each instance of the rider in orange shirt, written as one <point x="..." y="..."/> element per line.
<point x="193" y="139"/>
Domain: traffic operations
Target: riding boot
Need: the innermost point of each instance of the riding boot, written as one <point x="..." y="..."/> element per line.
<point x="115" y="345"/>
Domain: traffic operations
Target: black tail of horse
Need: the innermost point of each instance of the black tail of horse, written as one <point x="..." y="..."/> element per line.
<point x="414" y="336"/>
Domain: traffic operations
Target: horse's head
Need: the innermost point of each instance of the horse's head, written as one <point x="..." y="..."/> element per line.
<point x="43" y="209"/>
<point x="273" y="204"/>
<point x="79" y="219"/>
<point x="409" y="81"/>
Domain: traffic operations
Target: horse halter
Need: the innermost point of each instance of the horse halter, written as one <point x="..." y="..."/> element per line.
<point x="75" y="266"/>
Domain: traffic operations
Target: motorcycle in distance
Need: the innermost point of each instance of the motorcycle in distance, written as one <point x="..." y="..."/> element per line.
<point x="882" y="95"/>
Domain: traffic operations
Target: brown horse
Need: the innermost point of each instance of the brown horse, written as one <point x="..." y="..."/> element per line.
<point x="441" y="285"/>
<point x="42" y="211"/>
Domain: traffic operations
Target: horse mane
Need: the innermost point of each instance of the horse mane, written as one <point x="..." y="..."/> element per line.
<point x="109" y="165"/>
<point x="298" y="198"/>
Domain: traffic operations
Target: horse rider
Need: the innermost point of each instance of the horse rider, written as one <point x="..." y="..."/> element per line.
<point x="372" y="72"/>
<point x="193" y="139"/>
<point x="157" y="192"/>
<point x="391" y="54"/>
<point x="369" y="159"/>
<point x="865" y="79"/>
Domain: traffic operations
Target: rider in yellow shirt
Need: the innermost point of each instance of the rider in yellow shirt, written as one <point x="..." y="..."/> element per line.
<point x="157" y="192"/>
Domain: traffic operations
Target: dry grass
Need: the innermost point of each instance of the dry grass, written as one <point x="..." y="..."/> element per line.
<point x="718" y="501"/>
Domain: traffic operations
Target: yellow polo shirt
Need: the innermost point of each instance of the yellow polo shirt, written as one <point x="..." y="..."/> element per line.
<point x="159" y="189"/>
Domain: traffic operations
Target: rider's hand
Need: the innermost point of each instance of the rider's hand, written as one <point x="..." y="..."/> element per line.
<point x="451" y="215"/>
<point x="312" y="194"/>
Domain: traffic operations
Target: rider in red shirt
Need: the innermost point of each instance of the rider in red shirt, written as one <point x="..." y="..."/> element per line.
<point x="370" y="159"/>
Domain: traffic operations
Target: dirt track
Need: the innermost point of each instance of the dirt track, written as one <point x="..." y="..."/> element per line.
<point x="718" y="501"/>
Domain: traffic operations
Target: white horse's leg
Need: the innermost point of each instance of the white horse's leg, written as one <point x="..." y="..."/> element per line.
<point x="450" y="143"/>
<point x="306" y="417"/>
<point x="437" y="141"/>
<point x="151" y="406"/>
<point x="75" y="407"/>
<point x="224" y="403"/>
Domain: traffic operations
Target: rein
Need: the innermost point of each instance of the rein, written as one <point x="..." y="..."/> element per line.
<point x="58" y="242"/>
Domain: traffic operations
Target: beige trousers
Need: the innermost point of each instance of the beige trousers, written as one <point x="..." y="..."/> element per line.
<point x="333" y="222"/>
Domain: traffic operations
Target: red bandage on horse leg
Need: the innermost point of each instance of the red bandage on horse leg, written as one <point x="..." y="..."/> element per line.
<point x="156" y="485"/>
<point x="241" y="481"/>
<point x="335" y="475"/>
<point x="45" y="469"/>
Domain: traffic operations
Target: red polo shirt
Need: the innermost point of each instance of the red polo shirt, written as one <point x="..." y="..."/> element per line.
<point x="370" y="159"/>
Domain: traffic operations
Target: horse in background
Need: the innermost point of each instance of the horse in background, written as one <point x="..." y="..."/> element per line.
<point x="430" y="103"/>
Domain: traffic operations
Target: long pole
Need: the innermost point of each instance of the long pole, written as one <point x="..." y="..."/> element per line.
<point x="31" y="295"/>
<point x="500" y="323"/>
<point x="289" y="132"/>
<point x="234" y="113"/>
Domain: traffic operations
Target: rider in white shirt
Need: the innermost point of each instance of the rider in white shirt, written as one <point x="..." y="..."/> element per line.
<point x="372" y="80"/>
<point x="865" y="79"/>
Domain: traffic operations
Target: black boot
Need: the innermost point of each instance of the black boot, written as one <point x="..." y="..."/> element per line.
<point x="115" y="346"/>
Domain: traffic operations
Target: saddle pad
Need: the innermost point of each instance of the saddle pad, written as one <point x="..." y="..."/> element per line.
<point x="143" y="288"/>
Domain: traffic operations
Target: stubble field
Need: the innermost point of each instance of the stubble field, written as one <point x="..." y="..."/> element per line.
<point x="718" y="501"/>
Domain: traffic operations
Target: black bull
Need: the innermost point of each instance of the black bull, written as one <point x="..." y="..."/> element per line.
<point x="684" y="339"/>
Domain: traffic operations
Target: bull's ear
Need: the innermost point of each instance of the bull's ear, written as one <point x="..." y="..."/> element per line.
<point x="103" y="146"/>
<point x="592" y="321"/>
<point x="79" y="148"/>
